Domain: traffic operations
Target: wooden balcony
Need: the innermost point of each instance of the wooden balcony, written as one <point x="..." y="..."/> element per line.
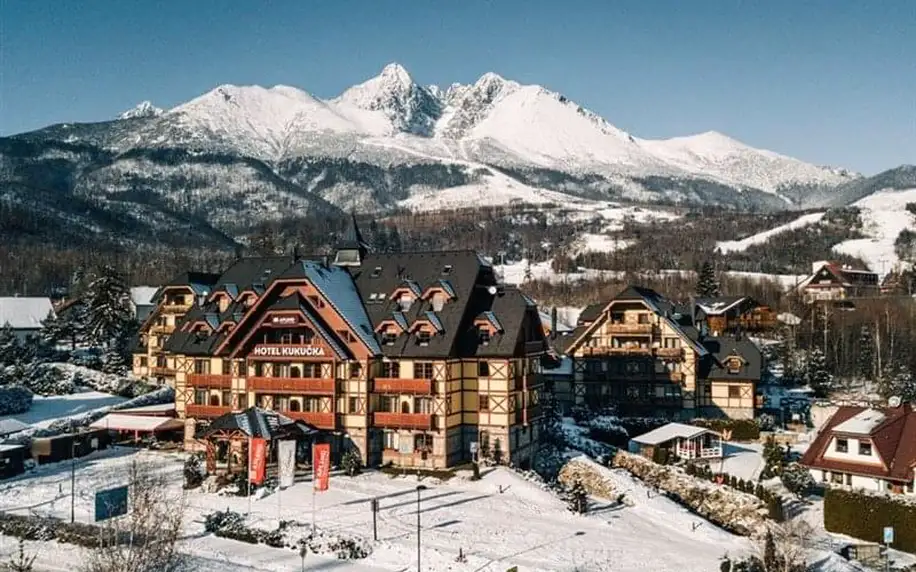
<point x="205" y="411"/>
<point x="175" y="308"/>
<point x="161" y="370"/>
<point x="319" y="419"/>
<point x="399" y="386"/>
<point x="670" y="352"/>
<point x="210" y="380"/>
<point x="161" y="329"/>
<point x="611" y="351"/>
<point x="422" y="421"/>
<point x="310" y="385"/>
<point x="646" y="329"/>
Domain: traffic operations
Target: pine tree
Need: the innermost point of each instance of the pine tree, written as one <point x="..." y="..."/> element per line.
<point x="20" y="562"/>
<point x="10" y="347"/>
<point x="578" y="498"/>
<point x="866" y="361"/>
<point x="72" y="324"/>
<point x="707" y="284"/>
<point x="108" y="309"/>
<point x="816" y="375"/>
<point x="899" y="383"/>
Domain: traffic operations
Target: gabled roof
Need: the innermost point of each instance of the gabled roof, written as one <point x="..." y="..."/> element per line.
<point x="412" y="286"/>
<point x="671" y="431"/>
<point x="720" y="305"/>
<point x="894" y="437"/>
<point x="336" y="285"/>
<point x="720" y="349"/>
<point x="258" y="423"/>
<point x="590" y="313"/>
<point x="24" y="313"/>
<point x="143" y="295"/>
<point x="352" y="239"/>
<point x="10" y="426"/>
<point x="491" y="317"/>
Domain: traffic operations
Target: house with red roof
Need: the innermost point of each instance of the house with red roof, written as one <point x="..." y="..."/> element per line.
<point x="866" y="448"/>
<point x="832" y="281"/>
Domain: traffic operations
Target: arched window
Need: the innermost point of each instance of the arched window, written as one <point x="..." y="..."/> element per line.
<point x="294" y="405"/>
<point x="214" y="400"/>
<point x="405" y="407"/>
<point x="294" y="371"/>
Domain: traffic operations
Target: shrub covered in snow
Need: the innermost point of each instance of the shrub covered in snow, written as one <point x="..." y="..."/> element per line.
<point x="797" y="479"/>
<point x="741" y="429"/>
<point x="289" y="534"/>
<point x="735" y="511"/>
<point x="351" y="464"/>
<point x="45" y="379"/>
<point x="864" y="514"/>
<point x="37" y="528"/>
<point x="590" y="476"/>
<point x="14" y="399"/>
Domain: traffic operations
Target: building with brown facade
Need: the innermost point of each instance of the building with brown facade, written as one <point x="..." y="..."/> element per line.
<point x="832" y="282"/>
<point x="409" y="357"/>
<point x="640" y="353"/>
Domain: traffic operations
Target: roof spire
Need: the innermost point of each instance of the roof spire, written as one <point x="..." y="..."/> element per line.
<point x="351" y="248"/>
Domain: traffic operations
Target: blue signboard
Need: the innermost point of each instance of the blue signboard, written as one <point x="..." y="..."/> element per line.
<point x="110" y="503"/>
<point x="888" y="535"/>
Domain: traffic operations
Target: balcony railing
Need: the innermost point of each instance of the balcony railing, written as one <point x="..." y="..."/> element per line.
<point x="397" y="385"/>
<point x="162" y="370"/>
<point x="175" y="308"/>
<point x="292" y="385"/>
<point x="612" y="351"/>
<point x="631" y="328"/>
<point x="205" y="411"/>
<point x="669" y="352"/>
<point x="210" y="380"/>
<point x="403" y="420"/>
<point x="161" y="329"/>
<point x="320" y="419"/>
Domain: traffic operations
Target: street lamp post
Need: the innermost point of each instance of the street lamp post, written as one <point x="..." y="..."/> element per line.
<point x="419" y="488"/>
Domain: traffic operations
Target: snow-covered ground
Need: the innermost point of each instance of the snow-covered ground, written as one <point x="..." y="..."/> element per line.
<point x="884" y="215"/>
<point x="601" y="243"/>
<point x="727" y="246"/>
<point x="46" y="410"/>
<point x="522" y="526"/>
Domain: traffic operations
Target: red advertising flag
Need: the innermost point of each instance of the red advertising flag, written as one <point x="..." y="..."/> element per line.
<point x="321" y="466"/>
<point x="257" y="460"/>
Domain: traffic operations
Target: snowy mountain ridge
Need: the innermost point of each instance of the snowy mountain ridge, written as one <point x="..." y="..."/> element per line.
<point x="492" y="121"/>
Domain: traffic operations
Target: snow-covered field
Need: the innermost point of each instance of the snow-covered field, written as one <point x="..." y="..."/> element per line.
<point x="522" y="526"/>
<point x="46" y="410"/>
<point x="884" y="215"/>
<point x="727" y="246"/>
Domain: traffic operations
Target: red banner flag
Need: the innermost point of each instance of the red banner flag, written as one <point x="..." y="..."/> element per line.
<point x="321" y="466"/>
<point x="257" y="460"/>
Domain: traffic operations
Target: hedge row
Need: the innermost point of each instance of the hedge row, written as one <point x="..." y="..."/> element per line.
<point x="864" y="515"/>
<point x="44" y="529"/>
<point x="742" y="429"/>
<point x="775" y="506"/>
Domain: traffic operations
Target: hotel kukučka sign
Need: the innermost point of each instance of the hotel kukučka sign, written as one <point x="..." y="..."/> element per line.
<point x="288" y="351"/>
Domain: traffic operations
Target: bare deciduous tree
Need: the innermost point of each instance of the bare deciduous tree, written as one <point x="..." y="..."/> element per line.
<point x="146" y="538"/>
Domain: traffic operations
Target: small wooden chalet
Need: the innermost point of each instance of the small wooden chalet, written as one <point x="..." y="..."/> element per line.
<point x="732" y="314"/>
<point x="685" y="441"/>
<point x="832" y="282"/>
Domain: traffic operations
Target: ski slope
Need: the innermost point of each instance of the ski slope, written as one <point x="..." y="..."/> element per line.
<point x="727" y="246"/>
<point x="884" y="215"/>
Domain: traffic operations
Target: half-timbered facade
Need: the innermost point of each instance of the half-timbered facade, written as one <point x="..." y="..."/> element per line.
<point x="409" y="357"/>
<point x="638" y="352"/>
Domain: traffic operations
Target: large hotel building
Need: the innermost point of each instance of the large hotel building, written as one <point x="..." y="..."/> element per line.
<point x="409" y="357"/>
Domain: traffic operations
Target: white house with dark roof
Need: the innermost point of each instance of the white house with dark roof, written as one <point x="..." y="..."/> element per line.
<point x="24" y="314"/>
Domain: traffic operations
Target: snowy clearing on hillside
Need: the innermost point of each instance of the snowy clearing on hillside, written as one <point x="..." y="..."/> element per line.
<point x="47" y="410"/>
<point x="514" y="273"/>
<point x="727" y="246"/>
<point x="498" y="522"/>
<point x="884" y="215"/>
<point x="600" y="243"/>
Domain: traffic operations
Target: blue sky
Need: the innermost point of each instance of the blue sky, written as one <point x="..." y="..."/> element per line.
<point x="827" y="81"/>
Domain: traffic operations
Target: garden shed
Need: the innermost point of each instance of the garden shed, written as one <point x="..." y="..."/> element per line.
<point x="685" y="441"/>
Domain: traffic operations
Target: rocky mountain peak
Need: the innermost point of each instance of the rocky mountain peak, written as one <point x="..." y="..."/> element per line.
<point x="144" y="109"/>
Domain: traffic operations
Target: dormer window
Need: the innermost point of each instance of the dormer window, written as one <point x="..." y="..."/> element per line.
<point x="447" y="269"/>
<point x="389" y="336"/>
<point x="483" y="335"/>
<point x="438" y="301"/>
<point x="733" y="364"/>
<point x="423" y="337"/>
<point x="405" y="301"/>
<point x="865" y="448"/>
<point x="376" y="272"/>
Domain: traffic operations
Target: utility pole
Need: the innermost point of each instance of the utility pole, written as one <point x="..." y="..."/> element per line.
<point x="73" y="481"/>
<point x="375" y="520"/>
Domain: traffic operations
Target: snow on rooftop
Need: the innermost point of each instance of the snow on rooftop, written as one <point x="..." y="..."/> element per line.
<point x="10" y="426"/>
<point x="670" y="431"/>
<point x="160" y="408"/>
<point x="862" y="423"/>
<point x="24" y="313"/>
<point x="122" y="422"/>
<point x="143" y="295"/>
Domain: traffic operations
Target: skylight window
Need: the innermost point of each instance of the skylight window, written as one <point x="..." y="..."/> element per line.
<point x="376" y="272"/>
<point x="447" y="269"/>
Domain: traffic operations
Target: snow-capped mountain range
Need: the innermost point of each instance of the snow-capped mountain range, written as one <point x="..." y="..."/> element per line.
<point x="253" y="153"/>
